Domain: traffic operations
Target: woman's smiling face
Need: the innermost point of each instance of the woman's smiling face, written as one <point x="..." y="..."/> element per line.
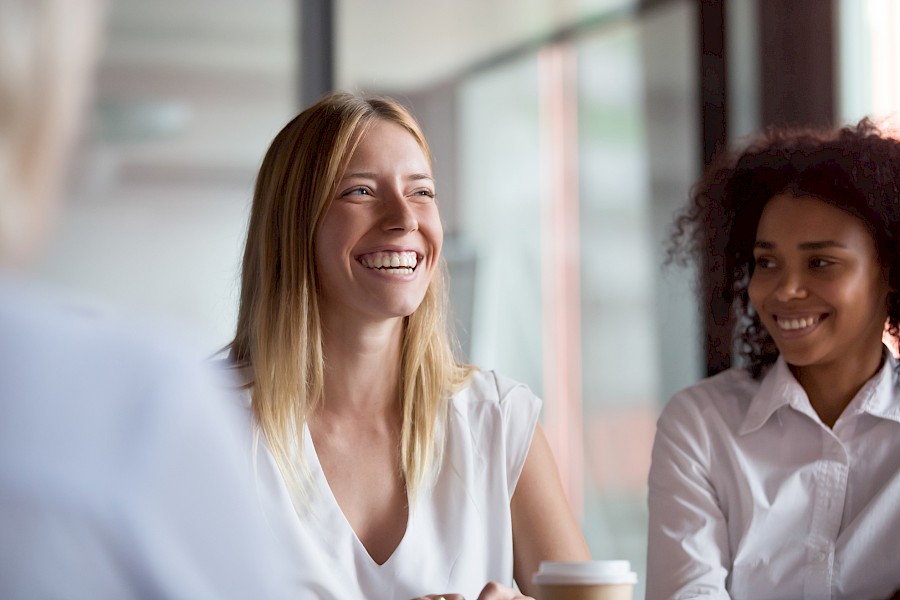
<point x="817" y="284"/>
<point x="378" y="245"/>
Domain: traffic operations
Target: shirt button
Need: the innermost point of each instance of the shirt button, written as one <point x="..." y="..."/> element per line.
<point x="821" y="556"/>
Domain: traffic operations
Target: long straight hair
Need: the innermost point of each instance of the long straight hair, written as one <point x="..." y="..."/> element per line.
<point x="279" y="332"/>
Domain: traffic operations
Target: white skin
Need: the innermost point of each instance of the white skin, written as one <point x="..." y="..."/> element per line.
<point x="821" y="293"/>
<point x="384" y="209"/>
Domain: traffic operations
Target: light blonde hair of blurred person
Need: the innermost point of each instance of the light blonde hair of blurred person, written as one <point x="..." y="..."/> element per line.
<point x="279" y="333"/>
<point x="47" y="52"/>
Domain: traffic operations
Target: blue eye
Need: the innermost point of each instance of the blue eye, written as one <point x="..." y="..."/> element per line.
<point x="360" y="191"/>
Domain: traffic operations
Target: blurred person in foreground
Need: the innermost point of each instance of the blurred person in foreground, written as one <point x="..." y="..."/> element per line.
<point x="121" y="470"/>
<point x="389" y="469"/>
<point x="780" y="477"/>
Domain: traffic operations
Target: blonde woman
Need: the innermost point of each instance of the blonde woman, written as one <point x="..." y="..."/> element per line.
<point x="388" y="469"/>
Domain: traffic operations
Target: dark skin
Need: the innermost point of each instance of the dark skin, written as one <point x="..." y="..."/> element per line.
<point x="821" y="293"/>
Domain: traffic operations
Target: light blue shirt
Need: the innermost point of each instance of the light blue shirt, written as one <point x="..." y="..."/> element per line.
<point x="122" y="473"/>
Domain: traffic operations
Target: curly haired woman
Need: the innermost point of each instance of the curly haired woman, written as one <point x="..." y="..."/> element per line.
<point x="780" y="477"/>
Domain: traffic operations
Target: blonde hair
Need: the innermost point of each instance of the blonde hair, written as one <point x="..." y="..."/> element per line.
<point x="279" y="334"/>
<point x="47" y="48"/>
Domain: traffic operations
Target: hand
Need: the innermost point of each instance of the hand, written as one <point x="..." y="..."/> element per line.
<point x="492" y="591"/>
<point x="495" y="591"/>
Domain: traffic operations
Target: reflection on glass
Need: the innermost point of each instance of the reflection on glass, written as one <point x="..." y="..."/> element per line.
<point x="573" y="160"/>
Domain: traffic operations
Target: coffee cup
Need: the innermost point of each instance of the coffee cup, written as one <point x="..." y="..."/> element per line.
<point x="586" y="580"/>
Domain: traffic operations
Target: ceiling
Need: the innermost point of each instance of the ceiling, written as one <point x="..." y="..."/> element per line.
<point x="197" y="89"/>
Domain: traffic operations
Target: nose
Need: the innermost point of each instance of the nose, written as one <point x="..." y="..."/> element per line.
<point x="790" y="286"/>
<point x="399" y="214"/>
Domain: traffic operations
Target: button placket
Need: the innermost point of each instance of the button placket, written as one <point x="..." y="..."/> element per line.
<point x="830" y="492"/>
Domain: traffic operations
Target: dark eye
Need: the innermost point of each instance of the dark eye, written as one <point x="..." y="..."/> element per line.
<point x="426" y="193"/>
<point x="764" y="263"/>
<point x="818" y="263"/>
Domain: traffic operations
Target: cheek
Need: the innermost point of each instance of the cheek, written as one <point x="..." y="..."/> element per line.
<point x="331" y="233"/>
<point x="325" y="253"/>
<point x="439" y="239"/>
<point x="431" y="224"/>
<point x="755" y="290"/>
<point x="319" y="250"/>
<point x="876" y="296"/>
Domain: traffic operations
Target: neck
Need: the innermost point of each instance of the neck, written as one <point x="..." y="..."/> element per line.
<point x="831" y="387"/>
<point x="362" y="368"/>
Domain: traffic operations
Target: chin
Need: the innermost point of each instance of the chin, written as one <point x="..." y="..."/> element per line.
<point x="800" y="360"/>
<point x="408" y="311"/>
<point x="406" y="308"/>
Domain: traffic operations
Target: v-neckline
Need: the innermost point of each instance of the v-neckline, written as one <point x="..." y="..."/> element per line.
<point x="335" y="506"/>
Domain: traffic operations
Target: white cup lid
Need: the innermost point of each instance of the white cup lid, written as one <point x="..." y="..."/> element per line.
<point x="588" y="572"/>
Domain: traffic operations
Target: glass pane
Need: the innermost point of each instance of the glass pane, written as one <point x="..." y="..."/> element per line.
<point x="869" y="59"/>
<point x="573" y="161"/>
<point x="640" y="329"/>
<point x="500" y="217"/>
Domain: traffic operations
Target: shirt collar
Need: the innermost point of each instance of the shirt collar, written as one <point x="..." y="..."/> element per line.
<point x="779" y="388"/>
<point x="879" y="396"/>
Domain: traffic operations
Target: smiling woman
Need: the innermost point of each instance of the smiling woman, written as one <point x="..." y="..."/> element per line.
<point x="779" y="479"/>
<point x="389" y="469"/>
<point x="820" y="291"/>
<point x="379" y="243"/>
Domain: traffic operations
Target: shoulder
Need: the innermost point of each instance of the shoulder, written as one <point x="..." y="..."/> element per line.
<point x="89" y="364"/>
<point x="722" y="399"/>
<point x="492" y="420"/>
<point x="491" y="387"/>
<point x="492" y="400"/>
<point x="89" y="342"/>
<point x="694" y="427"/>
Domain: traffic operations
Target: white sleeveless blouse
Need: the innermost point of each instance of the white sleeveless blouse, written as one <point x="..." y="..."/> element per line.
<point x="459" y="535"/>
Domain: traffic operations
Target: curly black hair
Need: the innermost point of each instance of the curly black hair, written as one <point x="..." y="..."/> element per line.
<point x="855" y="168"/>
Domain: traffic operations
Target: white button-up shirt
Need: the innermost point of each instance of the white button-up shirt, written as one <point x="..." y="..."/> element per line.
<point x="752" y="496"/>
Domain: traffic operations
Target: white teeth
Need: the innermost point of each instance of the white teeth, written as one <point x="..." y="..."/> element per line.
<point x="792" y="324"/>
<point x="403" y="262"/>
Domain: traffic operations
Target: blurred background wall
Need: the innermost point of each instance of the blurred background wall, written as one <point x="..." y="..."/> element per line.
<point x="566" y="133"/>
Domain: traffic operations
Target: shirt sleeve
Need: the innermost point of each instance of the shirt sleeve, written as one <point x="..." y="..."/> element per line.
<point x="519" y="409"/>
<point x="688" y="552"/>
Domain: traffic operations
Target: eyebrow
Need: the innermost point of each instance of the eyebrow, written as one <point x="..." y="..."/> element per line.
<point x="764" y="245"/>
<point x="421" y="176"/>
<point x="368" y="175"/>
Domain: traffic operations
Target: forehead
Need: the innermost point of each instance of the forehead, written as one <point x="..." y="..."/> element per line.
<point x="807" y="218"/>
<point x="387" y="142"/>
